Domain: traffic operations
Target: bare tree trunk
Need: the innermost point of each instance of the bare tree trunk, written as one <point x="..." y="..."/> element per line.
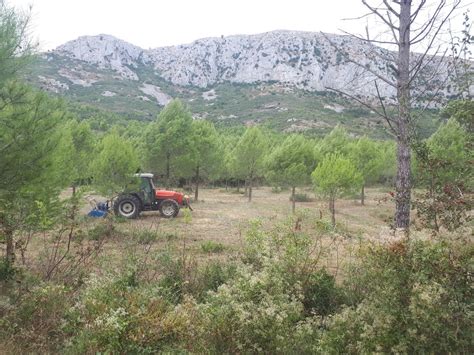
<point x="403" y="183"/>
<point x="168" y="170"/>
<point x="196" y="191"/>
<point x="332" y="209"/>
<point x="293" y="200"/>
<point x="250" y="190"/>
<point x="362" y="195"/>
<point x="10" y="251"/>
<point x="406" y="27"/>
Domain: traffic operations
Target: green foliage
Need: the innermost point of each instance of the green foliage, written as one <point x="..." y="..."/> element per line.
<point x="388" y="162"/>
<point x="83" y="144"/>
<point x="30" y="164"/>
<point x="321" y="295"/>
<point x="168" y="140"/>
<point x="365" y="154"/>
<point x="291" y="163"/>
<point x="462" y="111"/>
<point x="264" y="307"/>
<point x="301" y="197"/>
<point x="335" y="176"/>
<point x="7" y="271"/>
<point x="114" y="314"/>
<point x="213" y="275"/>
<point x="336" y="142"/>
<point x="406" y="297"/>
<point x="27" y="139"/>
<point x="210" y="246"/>
<point x="114" y="165"/>
<point x="253" y="313"/>
<point x="204" y="144"/>
<point x="15" y="46"/>
<point x="412" y="298"/>
<point x="249" y="153"/>
<point x="36" y="320"/>
<point x="248" y="156"/>
<point x="444" y="169"/>
<point x="205" y="158"/>
<point x="449" y="146"/>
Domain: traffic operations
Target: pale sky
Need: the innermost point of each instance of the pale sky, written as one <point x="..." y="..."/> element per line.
<point x="156" y="23"/>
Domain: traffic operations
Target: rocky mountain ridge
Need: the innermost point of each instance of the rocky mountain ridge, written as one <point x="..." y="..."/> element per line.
<point x="305" y="60"/>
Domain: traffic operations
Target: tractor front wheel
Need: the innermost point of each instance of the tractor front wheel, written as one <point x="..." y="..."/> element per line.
<point x="127" y="206"/>
<point x="169" y="208"/>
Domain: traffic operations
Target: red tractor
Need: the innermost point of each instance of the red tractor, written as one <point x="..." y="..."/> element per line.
<point x="148" y="198"/>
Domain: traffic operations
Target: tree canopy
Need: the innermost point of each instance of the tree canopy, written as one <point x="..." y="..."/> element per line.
<point x="291" y="163"/>
<point x="334" y="176"/>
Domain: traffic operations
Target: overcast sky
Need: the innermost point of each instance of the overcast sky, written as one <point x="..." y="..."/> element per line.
<point x="156" y="23"/>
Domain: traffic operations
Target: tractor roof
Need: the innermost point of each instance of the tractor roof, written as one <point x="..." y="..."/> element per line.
<point x="145" y="175"/>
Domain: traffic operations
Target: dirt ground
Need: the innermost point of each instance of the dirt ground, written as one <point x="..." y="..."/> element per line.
<point x="221" y="215"/>
<point x="219" y="221"/>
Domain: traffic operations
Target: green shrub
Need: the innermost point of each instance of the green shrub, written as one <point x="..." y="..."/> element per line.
<point x="172" y="281"/>
<point x="116" y="315"/>
<point x="321" y="295"/>
<point x="301" y="197"/>
<point x="210" y="246"/>
<point x="103" y="229"/>
<point x="410" y="298"/>
<point x="211" y="276"/>
<point x="7" y="271"/>
<point x="279" y="189"/>
<point x="146" y="236"/>
<point x="254" y="313"/>
<point x="34" y="321"/>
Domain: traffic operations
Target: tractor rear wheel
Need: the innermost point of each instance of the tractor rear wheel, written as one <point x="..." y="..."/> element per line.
<point x="127" y="206"/>
<point x="169" y="208"/>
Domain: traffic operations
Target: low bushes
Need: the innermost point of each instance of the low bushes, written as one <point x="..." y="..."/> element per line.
<point x="412" y="297"/>
<point x="406" y="297"/>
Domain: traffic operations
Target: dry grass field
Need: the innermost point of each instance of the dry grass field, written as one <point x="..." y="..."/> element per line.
<point x="216" y="229"/>
<point x="221" y="216"/>
<point x="219" y="221"/>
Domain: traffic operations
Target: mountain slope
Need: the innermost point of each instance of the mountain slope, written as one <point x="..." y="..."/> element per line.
<point x="277" y="78"/>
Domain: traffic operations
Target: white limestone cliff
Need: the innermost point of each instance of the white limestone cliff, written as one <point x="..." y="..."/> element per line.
<point x="305" y="60"/>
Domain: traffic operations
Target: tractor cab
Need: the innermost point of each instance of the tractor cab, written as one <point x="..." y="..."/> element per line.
<point x="147" y="188"/>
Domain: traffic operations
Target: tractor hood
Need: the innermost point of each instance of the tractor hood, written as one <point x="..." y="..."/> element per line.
<point x="172" y="195"/>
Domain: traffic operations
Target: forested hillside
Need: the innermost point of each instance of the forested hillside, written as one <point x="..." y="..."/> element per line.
<point x="270" y="79"/>
<point x="290" y="240"/>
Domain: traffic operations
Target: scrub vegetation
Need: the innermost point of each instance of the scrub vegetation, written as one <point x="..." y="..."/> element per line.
<point x="290" y="247"/>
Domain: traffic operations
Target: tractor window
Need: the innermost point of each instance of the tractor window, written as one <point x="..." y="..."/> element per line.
<point x="145" y="185"/>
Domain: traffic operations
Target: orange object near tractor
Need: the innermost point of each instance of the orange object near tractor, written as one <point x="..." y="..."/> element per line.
<point x="148" y="198"/>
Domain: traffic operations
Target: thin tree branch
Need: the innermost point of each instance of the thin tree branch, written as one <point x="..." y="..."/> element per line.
<point x="338" y="49"/>
<point x="357" y="18"/>
<point x="365" y="39"/>
<point x="376" y="12"/>
<point x="363" y="103"/>
<point x="421" y="65"/>
<point x="395" y="38"/>
<point x="428" y="27"/>
<point x="383" y="108"/>
<point x="417" y="11"/>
